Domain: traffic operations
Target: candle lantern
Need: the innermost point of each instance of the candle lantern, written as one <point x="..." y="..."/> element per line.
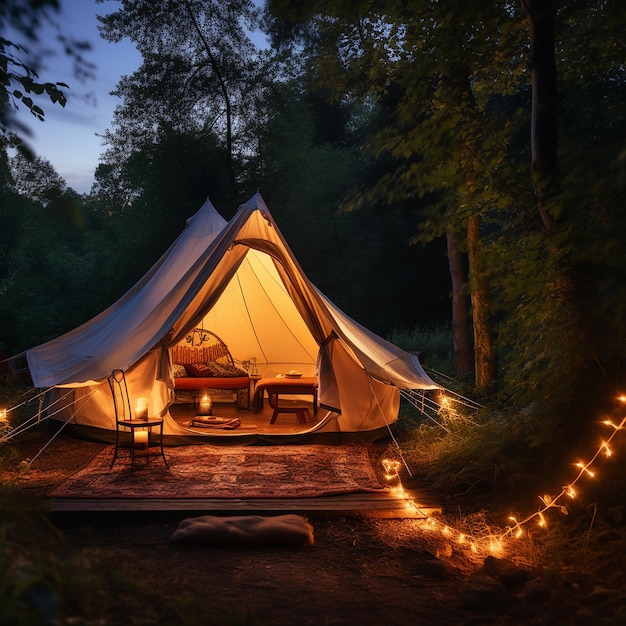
<point x="141" y="410"/>
<point x="206" y="404"/>
<point x="141" y="439"/>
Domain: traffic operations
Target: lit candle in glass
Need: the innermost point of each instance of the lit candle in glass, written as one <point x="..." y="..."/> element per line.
<point x="3" y="415"/>
<point x="141" y="410"/>
<point x="206" y="404"/>
<point x="141" y="439"/>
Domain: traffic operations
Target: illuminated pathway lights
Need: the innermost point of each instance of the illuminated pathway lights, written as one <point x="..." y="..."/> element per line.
<point x="495" y="543"/>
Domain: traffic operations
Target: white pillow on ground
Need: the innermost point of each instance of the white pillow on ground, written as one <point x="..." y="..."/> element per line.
<point x="249" y="530"/>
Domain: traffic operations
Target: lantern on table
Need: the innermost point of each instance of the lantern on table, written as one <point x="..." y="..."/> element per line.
<point x="141" y="410"/>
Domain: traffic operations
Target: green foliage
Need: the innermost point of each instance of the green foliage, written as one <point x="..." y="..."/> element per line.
<point x="28" y="596"/>
<point x="167" y="183"/>
<point x="14" y="73"/>
<point x="448" y="129"/>
<point x="20" y="60"/>
<point x="51" y="258"/>
<point x="433" y="344"/>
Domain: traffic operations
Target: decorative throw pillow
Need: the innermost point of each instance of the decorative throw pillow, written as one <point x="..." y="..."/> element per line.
<point x="225" y="370"/>
<point x="178" y="370"/>
<point x="200" y="370"/>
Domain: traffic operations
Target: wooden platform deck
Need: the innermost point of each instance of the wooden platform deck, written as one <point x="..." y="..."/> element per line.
<point x="383" y="504"/>
<point x="374" y="504"/>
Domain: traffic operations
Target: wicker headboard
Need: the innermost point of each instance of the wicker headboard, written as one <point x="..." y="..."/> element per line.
<point x="205" y="346"/>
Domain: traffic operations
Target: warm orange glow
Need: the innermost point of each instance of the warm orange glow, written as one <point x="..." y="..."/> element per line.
<point x="3" y="415"/>
<point x="206" y="404"/>
<point x="141" y="409"/>
<point x="495" y="546"/>
<point x="141" y="438"/>
<point x="585" y="469"/>
<point x="392" y="467"/>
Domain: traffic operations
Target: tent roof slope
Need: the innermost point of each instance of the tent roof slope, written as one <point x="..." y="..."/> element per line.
<point x="186" y="282"/>
<point x="380" y="358"/>
<point x="125" y="331"/>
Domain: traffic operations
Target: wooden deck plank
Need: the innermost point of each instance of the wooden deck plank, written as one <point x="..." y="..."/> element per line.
<point x="377" y="504"/>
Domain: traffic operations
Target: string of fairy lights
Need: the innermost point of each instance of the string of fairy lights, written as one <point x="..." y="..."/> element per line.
<point x="495" y="543"/>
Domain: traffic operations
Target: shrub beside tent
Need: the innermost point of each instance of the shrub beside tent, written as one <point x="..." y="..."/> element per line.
<point x="240" y="280"/>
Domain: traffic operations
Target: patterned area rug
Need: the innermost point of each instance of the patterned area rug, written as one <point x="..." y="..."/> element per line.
<point x="226" y="472"/>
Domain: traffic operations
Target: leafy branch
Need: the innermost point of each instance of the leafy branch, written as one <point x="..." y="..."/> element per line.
<point x="20" y="82"/>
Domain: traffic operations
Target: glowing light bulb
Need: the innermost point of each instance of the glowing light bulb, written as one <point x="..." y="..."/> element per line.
<point x="542" y="520"/>
<point x="585" y="469"/>
<point x="141" y="409"/>
<point x="546" y="499"/>
<point x="392" y="468"/>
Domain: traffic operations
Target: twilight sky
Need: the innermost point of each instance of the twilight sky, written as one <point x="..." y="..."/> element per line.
<point x="68" y="138"/>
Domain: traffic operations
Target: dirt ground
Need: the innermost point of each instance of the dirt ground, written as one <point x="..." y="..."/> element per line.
<point x="359" y="571"/>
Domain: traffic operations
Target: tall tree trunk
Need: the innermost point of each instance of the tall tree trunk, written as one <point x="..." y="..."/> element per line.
<point x="543" y="120"/>
<point x="484" y="352"/>
<point x="460" y="314"/>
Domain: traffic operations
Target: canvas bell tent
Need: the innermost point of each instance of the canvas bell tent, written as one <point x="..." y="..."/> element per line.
<point x="240" y="280"/>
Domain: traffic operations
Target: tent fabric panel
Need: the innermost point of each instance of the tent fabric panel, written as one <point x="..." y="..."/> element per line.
<point x="256" y="318"/>
<point x="380" y="358"/>
<point x="93" y="405"/>
<point x="365" y="404"/>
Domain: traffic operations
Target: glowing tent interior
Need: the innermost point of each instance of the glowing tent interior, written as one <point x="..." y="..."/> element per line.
<point x="240" y="280"/>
